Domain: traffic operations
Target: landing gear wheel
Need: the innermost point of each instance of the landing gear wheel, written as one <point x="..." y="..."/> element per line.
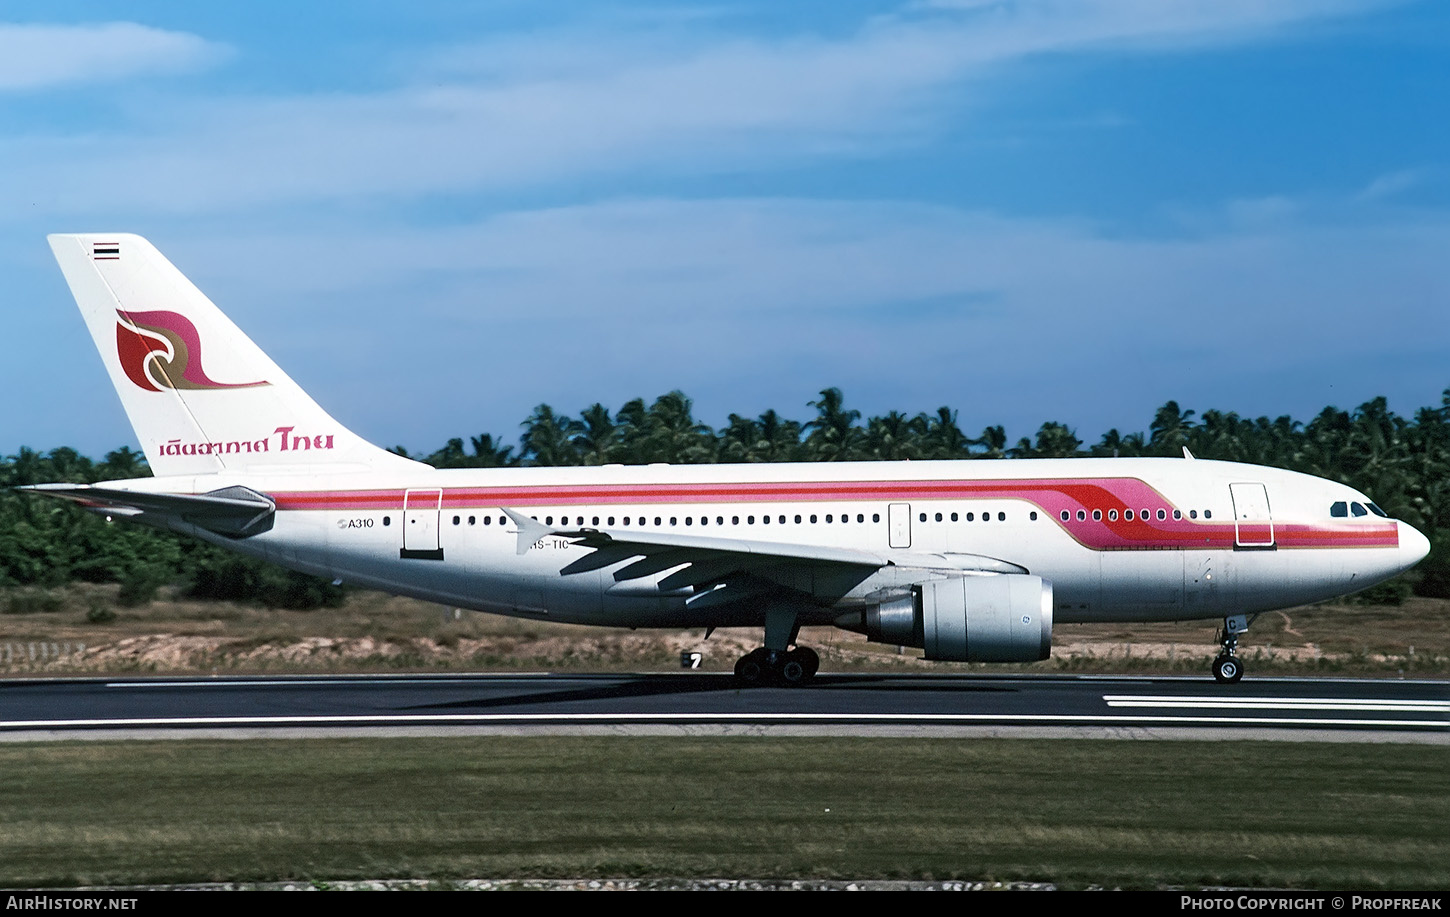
<point x="1227" y="669"/>
<point x="792" y="672"/>
<point x="750" y="668"/>
<point x="809" y="659"/>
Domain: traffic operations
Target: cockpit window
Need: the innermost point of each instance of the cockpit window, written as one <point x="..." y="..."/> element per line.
<point x="1340" y="508"/>
<point x="1358" y="510"/>
<point x="1377" y="511"/>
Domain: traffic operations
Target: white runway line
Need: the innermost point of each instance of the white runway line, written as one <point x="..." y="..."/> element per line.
<point x="712" y="718"/>
<point x="1278" y="703"/>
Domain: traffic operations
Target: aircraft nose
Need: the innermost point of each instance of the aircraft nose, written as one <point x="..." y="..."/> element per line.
<point x="1413" y="545"/>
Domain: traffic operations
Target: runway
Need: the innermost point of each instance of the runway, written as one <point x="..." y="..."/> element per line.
<point x="696" y="702"/>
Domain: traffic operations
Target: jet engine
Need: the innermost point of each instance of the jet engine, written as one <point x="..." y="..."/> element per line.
<point x="994" y="618"/>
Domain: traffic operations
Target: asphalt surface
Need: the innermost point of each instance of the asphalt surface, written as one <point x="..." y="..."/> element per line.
<point x="841" y="704"/>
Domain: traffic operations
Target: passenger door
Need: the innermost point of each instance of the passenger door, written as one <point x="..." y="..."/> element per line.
<point x="1253" y="522"/>
<point x="421" y="511"/>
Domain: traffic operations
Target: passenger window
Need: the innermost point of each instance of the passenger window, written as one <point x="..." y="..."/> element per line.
<point x="1162" y="514"/>
<point x="860" y="517"/>
<point x="797" y="520"/>
<point x="1208" y="514"/>
<point x="472" y="520"/>
<point x="1097" y="515"/>
<point x="813" y="518"/>
<point x="954" y="517"/>
<point x="1082" y="515"/>
<point x="875" y="517"/>
<point x="1112" y="515"/>
<point x="1128" y="515"/>
<point x="1193" y="514"/>
<point x="1001" y="517"/>
<point x="1033" y="515"/>
<point x="1066" y="515"/>
<point x="1178" y="514"/>
<point x="938" y="518"/>
<point x="1338" y="509"/>
<point x="922" y="517"/>
<point x="972" y="517"/>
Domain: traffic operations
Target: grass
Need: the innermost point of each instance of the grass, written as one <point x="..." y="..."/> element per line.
<point x="1075" y="813"/>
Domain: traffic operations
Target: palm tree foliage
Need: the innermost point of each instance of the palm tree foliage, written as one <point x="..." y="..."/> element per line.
<point x="1402" y="463"/>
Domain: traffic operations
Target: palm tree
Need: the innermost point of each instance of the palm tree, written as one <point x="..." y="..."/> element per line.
<point x="1169" y="430"/>
<point x="833" y="435"/>
<point x="597" y="435"/>
<point x="547" y="438"/>
<point x="943" y="438"/>
<point x="488" y="454"/>
<point x="895" y="437"/>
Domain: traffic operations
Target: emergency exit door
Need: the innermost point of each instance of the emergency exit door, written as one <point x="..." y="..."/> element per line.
<point x="898" y="525"/>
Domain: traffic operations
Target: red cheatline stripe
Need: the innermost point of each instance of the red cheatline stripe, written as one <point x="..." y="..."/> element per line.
<point x="1052" y="496"/>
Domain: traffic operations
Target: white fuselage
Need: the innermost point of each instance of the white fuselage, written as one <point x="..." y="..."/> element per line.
<point x="1119" y="539"/>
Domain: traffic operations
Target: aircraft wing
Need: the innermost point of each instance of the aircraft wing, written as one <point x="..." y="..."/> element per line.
<point x="236" y="512"/>
<point x="715" y="570"/>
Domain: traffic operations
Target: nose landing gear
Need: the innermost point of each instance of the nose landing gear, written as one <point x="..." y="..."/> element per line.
<point x="1228" y="668"/>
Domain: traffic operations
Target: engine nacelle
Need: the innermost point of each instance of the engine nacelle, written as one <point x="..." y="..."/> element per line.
<point x="997" y="618"/>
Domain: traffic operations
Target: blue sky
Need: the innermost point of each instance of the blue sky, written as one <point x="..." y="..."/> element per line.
<point x="435" y="216"/>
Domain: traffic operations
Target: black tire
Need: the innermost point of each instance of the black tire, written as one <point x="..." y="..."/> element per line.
<point x="1227" y="669"/>
<point x="810" y="659"/>
<point x="793" y="671"/>
<point x="749" y="669"/>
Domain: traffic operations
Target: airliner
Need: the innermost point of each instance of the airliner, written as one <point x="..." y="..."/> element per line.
<point x="966" y="560"/>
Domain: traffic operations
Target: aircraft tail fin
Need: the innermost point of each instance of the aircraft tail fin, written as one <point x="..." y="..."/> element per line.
<point x="200" y="395"/>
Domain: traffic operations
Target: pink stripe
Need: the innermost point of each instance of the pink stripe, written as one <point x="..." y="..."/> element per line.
<point x="1053" y="496"/>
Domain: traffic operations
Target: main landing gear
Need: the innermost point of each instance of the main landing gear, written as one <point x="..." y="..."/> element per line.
<point x="789" y="667"/>
<point x="779" y="662"/>
<point x="1228" y="668"/>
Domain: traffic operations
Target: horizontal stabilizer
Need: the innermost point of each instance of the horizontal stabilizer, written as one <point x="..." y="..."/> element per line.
<point x="236" y="512"/>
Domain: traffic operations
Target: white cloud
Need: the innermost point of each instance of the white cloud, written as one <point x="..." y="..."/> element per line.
<point x="1391" y="184"/>
<point x="746" y="304"/>
<point x="583" y="105"/>
<point x="40" y="56"/>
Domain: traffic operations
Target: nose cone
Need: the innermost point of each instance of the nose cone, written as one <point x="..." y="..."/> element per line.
<point x="1413" y="546"/>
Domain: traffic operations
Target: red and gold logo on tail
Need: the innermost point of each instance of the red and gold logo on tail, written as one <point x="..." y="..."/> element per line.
<point x="161" y="350"/>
